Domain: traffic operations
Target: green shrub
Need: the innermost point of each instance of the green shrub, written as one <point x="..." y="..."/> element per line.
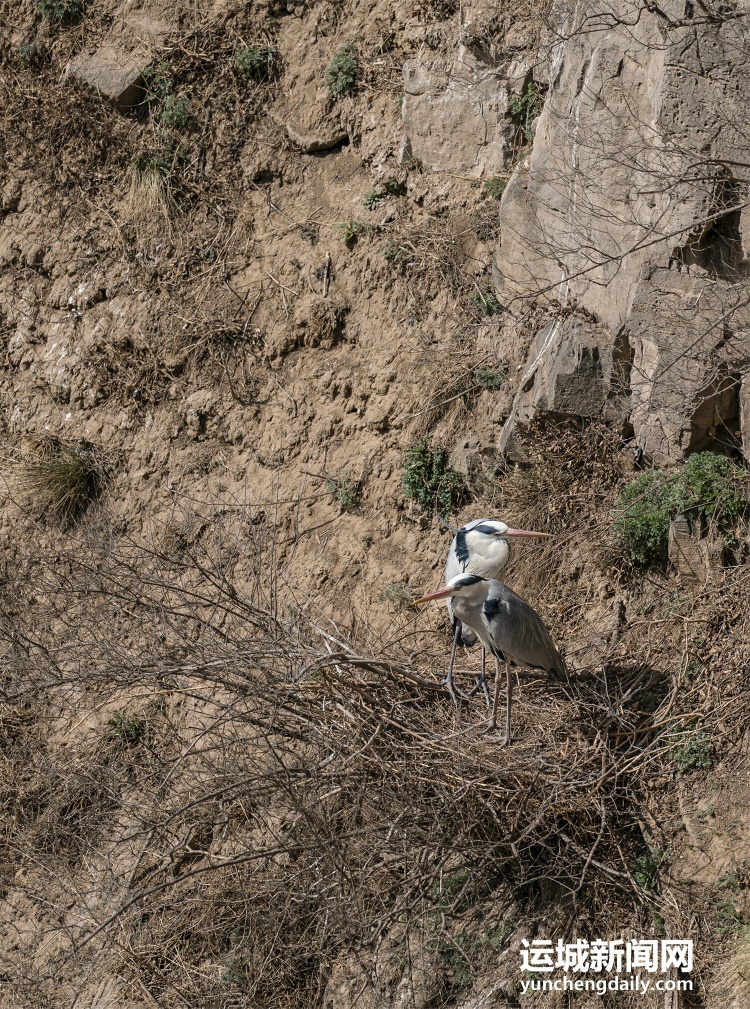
<point x="526" y="107"/>
<point x="495" y="187"/>
<point x="394" y="253"/>
<point x="128" y="728"/>
<point x="158" y="82"/>
<point x="729" y="921"/>
<point x="342" y="72"/>
<point x="31" y="53"/>
<point x="63" y="480"/>
<point x="485" y="303"/>
<point x="708" y="486"/>
<point x="642" y="514"/>
<point x="691" y="748"/>
<point x="738" y="877"/>
<point x="255" y="61"/>
<point x="714" y="487"/>
<point x="150" y="164"/>
<point x="391" y="187"/>
<point x="349" y="231"/>
<point x="344" y="491"/>
<point x="372" y="200"/>
<point x="60" y="10"/>
<point x="490" y="378"/>
<point x="430" y="481"/>
<point x="646" y="868"/>
<point x="176" y="112"/>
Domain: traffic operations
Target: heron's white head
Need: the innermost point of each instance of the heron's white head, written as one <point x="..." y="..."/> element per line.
<point x="492" y="529"/>
<point x="469" y="587"/>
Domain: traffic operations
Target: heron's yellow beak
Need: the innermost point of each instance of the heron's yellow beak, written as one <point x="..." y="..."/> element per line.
<point x="440" y="594"/>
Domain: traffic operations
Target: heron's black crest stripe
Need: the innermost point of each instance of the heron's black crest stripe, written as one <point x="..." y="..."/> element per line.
<point x="470" y="580"/>
<point x="462" y="551"/>
<point x="487" y="530"/>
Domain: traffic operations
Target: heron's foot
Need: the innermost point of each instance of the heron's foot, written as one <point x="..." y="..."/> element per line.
<point x="455" y="691"/>
<point x="481" y="684"/>
<point x="500" y="740"/>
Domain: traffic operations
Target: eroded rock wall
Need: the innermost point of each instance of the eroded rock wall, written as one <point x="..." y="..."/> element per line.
<point x="630" y="211"/>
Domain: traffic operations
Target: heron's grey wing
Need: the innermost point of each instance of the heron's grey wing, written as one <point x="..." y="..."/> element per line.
<point x="519" y="632"/>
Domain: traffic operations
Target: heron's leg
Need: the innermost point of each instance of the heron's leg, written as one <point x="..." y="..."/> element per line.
<point x="448" y="681"/>
<point x="481" y="683"/>
<point x="493" y="717"/>
<point x="483" y="679"/>
<point x="508" y="699"/>
<point x="453" y="690"/>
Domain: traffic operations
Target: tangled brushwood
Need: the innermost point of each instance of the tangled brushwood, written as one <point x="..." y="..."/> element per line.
<point x="262" y="793"/>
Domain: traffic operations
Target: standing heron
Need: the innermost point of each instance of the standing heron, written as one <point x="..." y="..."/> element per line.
<point x="507" y="626"/>
<point x="480" y="547"/>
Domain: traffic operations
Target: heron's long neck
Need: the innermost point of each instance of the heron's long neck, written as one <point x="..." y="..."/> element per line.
<point x="488" y="557"/>
<point x="468" y="609"/>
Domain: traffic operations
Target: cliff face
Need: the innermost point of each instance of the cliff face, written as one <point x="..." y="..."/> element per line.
<point x="631" y="210"/>
<point x="252" y="254"/>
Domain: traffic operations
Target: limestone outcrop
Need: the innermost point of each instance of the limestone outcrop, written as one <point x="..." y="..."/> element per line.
<point x="454" y="114"/>
<point x="630" y="212"/>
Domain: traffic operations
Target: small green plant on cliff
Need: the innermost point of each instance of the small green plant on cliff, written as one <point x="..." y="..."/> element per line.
<point x="344" y="491"/>
<point x="486" y="303"/>
<point x="372" y="200"/>
<point x="32" y="54"/>
<point x="642" y="513"/>
<point x="394" y="253"/>
<point x="714" y="487"/>
<point x="495" y="187"/>
<point x="709" y="487"/>
<point x="127" y="728"/>
<point x="391" y="187"/>
<point x="429" y="479"/>
<point x="255" y="61"/>
<point x="490" y="378"/>
<point x="60" y="10"/>
<point x="525" y="108"/>
<point x="691" y="747"/>
<point x="646" y="868"/>
<point x="738" y="877"/>
<point x="350" y="231"/>
<point x="158" y="82"/>
<point x="729" y="921"/>
<point x="63" y="480"/>
<point x="342" y="72"/>
<point x="176" y="112"/>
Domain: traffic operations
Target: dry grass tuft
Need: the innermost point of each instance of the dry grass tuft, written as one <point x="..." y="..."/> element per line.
<point x="731" y="981"/>
<point x="62" y="480"/>
<point x="148" y="203"/>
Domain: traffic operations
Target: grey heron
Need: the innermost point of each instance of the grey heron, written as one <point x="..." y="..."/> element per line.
<point x="506" y="625"/>
<point x="480" y="547"/>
